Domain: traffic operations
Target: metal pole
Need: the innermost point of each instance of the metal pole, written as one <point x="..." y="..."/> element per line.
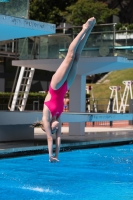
<point x="111" y="110"/>
<point x="113" y="39"/>
<point x="131" y="110"/>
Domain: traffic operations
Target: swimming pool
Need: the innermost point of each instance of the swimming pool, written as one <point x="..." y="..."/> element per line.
<point x="90" y="174"/>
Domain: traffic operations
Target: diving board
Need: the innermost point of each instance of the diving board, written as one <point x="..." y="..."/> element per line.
<point x="27" y="117"/>
<point x="16" y="125"/>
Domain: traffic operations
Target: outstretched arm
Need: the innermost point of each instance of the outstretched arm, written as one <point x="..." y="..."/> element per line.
<point x="50" y="140"/>
<point x="58" y="140"/>
<point x="50" y="128"/>
<point x="46" y="119"/>
<point x="46" y="124"/>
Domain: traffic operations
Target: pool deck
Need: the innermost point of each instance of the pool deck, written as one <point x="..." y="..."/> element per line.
<point x="94" y="137"/>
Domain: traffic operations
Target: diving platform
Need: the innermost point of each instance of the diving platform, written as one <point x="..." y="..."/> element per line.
<point x="29" y="117"/>
<point x="16" y="125"/>
<point x="15" y="27"/>
<point x="86" y="65"/>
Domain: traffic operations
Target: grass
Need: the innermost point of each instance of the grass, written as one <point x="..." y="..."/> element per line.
<point x="115" y="78"/>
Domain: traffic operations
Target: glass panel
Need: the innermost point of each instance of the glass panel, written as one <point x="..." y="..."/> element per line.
<point x="103" y="41"/>
<point x="124" y="44"/>
<point x="43" y="53"/>
<point x="23" y="48"/>
<point x="100" y="41"/>
<point x="54" y="46"/>
<point x="64" y="42"/>
<point x="16" y="8"/>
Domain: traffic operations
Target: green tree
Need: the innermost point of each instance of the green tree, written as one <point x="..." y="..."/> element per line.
<point x="48" y="11"/>
<point x="126" y="9"/>
<point x="79" y="12"/>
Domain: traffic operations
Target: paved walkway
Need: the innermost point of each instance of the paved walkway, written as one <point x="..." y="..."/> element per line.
<point x="93" y="137"/>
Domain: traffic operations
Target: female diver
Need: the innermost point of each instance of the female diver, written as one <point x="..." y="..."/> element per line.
<point x="60" y="83"/>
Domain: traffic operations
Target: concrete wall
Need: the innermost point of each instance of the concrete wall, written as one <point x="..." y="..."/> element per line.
<point x="16" y="132"/>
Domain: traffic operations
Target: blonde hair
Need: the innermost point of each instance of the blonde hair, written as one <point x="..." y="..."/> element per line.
<point x="37" y="124"/>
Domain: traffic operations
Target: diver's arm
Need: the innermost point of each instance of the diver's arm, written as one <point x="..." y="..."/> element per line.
<point x="58" y="140"/>
<point x="46" y="124"/>
<point x="46" y="119"/>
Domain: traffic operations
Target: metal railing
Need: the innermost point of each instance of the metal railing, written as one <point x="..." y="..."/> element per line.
<point x="117" y="43"/>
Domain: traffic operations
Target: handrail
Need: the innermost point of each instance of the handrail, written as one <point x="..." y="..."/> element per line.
<point x="110" y="24"/>
<point x="13" y="87"/>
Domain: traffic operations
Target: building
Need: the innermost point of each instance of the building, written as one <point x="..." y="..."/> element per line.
<point x="9" y="51"/>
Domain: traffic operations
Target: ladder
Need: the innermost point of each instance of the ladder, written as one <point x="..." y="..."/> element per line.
<point x="114" y="96"/>
<point x="126" y="93"/>
<point x="19" y="97"/>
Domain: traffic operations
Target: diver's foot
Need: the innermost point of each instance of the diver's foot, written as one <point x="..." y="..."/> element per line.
<point x="90" y="23"/>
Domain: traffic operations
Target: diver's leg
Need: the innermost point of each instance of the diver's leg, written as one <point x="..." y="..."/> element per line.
<point x="62" y="72"/>
<point x="72" y="72"/>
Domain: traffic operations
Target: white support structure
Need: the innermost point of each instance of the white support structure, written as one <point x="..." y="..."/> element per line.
<point x="114" y="96"/>
<point x="22" y="88"/>
<point x="127" y="93"/>
<point x="89" y="90"/>
<point x="77" y="104"/>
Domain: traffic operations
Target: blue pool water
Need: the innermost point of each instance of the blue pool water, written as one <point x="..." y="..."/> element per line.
<point x="90" y="174"/>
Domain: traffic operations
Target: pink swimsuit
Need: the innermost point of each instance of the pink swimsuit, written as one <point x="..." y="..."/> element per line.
<point x="56" y="104"/>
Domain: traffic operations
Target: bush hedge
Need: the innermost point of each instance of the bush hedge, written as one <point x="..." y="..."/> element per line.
<point x="5" y="96"/>
<point x="33" y="96"/>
